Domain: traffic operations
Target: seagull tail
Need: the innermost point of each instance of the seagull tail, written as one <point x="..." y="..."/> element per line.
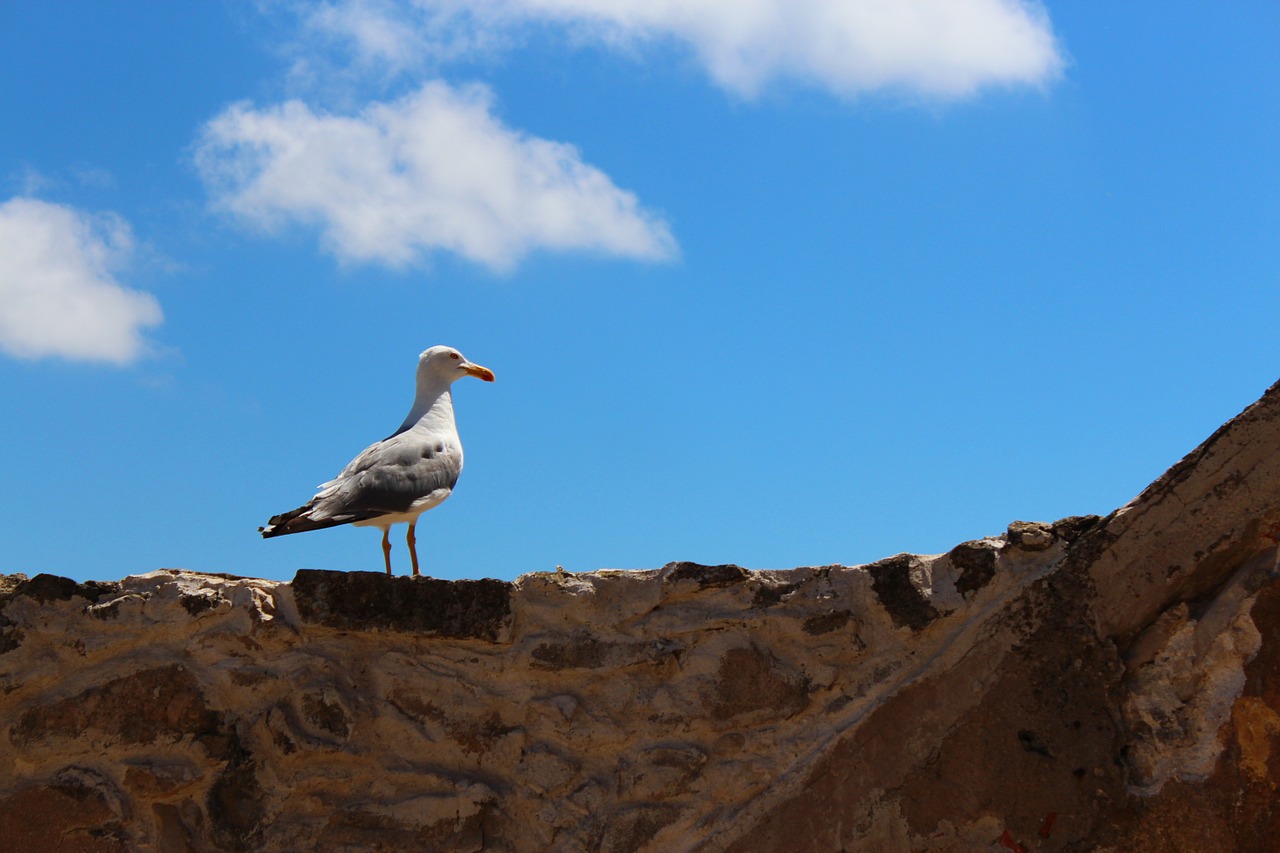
<point x="298" y="521"/>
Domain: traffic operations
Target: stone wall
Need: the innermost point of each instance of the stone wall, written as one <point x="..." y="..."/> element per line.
<point x="1092" y="684"/>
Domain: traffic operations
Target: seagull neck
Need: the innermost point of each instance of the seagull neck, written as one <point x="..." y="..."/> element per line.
<point x="432" y="407"/>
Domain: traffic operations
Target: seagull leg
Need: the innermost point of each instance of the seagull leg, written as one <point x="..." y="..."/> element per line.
<point x="413" y="547"/>
<point x="386" y="548"/>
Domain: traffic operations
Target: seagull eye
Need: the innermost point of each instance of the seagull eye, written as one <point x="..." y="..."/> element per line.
<point x="454" y="356"/>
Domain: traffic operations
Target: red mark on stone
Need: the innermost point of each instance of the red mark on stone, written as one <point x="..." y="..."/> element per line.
<point x="1048" y="824"/>
<point x="1006" y="840"/>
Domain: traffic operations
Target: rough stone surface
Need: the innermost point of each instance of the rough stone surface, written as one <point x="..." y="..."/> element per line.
<point x="365" y="601"/>
<point x="1107" y="684"/>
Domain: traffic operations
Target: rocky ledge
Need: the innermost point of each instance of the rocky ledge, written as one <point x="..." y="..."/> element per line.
<point x="1091" y="684"/>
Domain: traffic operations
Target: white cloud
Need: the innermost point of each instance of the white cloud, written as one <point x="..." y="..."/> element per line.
<point x="936" y="48"/>
<point x="432" y="171"/>
<point x="58" y="294"/>
<point x="402" y="35"/>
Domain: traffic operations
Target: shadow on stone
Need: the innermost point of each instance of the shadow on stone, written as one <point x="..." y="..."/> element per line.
<point x="363" y="601"/>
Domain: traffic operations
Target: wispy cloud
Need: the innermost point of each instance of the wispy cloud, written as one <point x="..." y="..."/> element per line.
<point x="31" y="181"/>
<point x="93" y="176"/>
<point x="58" y="291"/>
<point x="934" y="48"/>
<point x="433" y="171"/>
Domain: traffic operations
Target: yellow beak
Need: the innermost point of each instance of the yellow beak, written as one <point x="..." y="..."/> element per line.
<point x="478" y="372"/>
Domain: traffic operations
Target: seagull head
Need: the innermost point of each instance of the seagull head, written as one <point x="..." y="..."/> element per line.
<point x="449" y="364"/>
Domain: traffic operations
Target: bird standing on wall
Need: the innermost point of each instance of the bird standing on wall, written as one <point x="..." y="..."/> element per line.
<point x="402" y="476"/>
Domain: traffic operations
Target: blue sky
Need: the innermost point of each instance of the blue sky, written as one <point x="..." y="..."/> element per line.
<point x="815" y="284"/>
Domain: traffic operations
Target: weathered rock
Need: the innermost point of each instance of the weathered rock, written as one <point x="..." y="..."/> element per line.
<point x="1091" y="684"/>
<point x="368" y="600"/>
<point x="1030" y="535"/>
<point x="706" y="576"/>
<point x="906" y="604"/>
<point x="752" y="682"/>
<point x="975" y="563"/>
<point x="65" y="814"/>
<point x="139" y="708"/>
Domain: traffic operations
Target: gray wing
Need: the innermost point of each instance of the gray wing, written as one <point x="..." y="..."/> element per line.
<point x="389" y="476"/>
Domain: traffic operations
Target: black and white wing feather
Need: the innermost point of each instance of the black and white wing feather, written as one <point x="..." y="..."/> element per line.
<point x="387" y="478"/>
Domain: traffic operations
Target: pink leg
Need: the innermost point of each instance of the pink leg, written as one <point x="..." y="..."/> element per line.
<point x="386" y="548"/>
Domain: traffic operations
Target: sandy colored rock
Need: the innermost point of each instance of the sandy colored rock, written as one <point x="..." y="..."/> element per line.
<point x="1089" y="684"/>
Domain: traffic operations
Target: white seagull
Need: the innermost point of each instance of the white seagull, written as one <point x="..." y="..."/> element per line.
<point x="402" y="476"/>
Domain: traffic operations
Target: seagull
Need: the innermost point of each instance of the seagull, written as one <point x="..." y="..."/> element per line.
<point x="402" y="476"/>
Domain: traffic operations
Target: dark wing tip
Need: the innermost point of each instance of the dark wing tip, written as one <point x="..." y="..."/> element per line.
<point x="292" y="521"/>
